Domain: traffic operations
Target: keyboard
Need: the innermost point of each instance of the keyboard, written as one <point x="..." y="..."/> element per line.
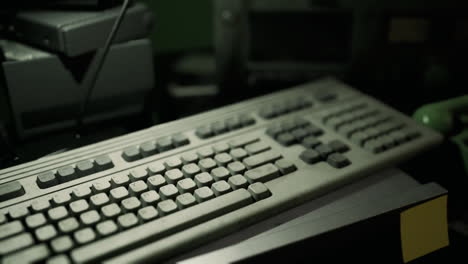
<point x="158" y="192"/>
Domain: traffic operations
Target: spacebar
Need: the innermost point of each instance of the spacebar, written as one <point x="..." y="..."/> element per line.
<point x="162" y="227"/>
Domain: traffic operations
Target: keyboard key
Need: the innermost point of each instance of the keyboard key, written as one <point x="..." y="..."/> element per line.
<point x="299" y="134"/>
<point x="286" y="139"/>
<point x="79" y="206"/>
<point x="156" y="168"/>
<point x="119" y="180"/>
<point x="222" y="159"/>
<point x="257" y="147"/>
<point x="274" y="131"/>
<point x="104" y="162"/>
<point x="203" y="194"/>
<point x="310" y="142"/>
<point x="84" y="236"/>
<point x="45" y="233"/>
<point x="205" y="152"/>
<point x="263" y="173"/>
<point x="310" y="156"/>
<point x="139" y="174"/>
<point x="167" y="207"/>
<point x="242" y="141"/>
<point x="156" y="181"/>
<point x="203" y="179"/>
<point x="127" y="220"/>
<point x="59" y="259"/>
<point x="158" y="229"/>
<point x="101" y="186"/>
<point x="99" y="199"/>
<point x="61" y="244"/>
<point x="186" y="186"/>
<point x="313" y="130"/>
<point x="324" y="150"/>
<point x="147" y="213"/>
<point x="185" y="200"/>
<point x="66" y="174"/>
<point x="2" y="219"/>
<point x="221" y="147"/>
<point x="173" y="163"/>
<point x="68" y="225"/>
<point x="118" y="193"/>
<point x="40" y="205"/>
<point x="138" y="187"/>
<point x="106" y="228"/>
<point x="301" y="122"/>
<point x="218" y="127"/>
<point x="150" y="197"/>
<point x="18" y="212"/>
<point x="90" y="217"/>
<point x="259" y="191"/>
<point x="236" y="167"/>
<point x="10" y="229"/>
<point x="190" y="170"/>
<point x="148" y="148"/>
<point x="237" y="182"/>
<point x="164" y="144"/>
<point x="267" y="112"/>
<point x="233" y="123"/>
<point x="46" y="180"/>
<point x="220" y="188"/>
<point x="188" y="158"/>
<point x="131" y="204"/>
<point x="285" y="166"/>
<point x="207" y="164"/>
<point x="180" y="140"/>
<point x="261" y="159"/>
<point x="15" y="243"/>
<point x="30" y="255"/>
<point x="57" y="213"/>
<point x="288" y="125"/>
<point x="204" y="132"/>
<point x="111" y="210"/>
<point x="81" y="192"/>
<point x="35" y="221"/>
<point x="131" y="153"/>
<point x="84" y="168"/>
<point x="11" y="190"/>
<point x="220" y="173"/>
<point x="173" y="176"/>
<point x="338" y="160"/>
<point x="238" y="153"/>
<point x="246" y="120"/>
<point x="168" y="192"/>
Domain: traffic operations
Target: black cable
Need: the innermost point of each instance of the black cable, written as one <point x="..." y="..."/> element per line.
<point x="89" y="82"/>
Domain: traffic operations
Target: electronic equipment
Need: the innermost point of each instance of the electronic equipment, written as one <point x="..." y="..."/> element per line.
<point x="74" y="33"/>
<point x="178" y="185"/>
<point x="45" y="92"/>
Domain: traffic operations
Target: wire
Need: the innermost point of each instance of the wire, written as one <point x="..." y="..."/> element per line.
<point x="89" y="82"/>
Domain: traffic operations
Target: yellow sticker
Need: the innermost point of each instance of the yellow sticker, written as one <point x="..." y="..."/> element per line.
<point x="424" y="228"/>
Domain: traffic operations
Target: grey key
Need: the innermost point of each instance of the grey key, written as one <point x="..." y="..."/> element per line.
<point x="10" y="229"/>
<point x="150" y="197"/>
<point x="324" y="150"/>
<point x="164" y="144"/>
<point x="299" y="134"/>
<point x="158" y="229"/>
<point x="313" y="130"/>
<point x="46" y="180"/>
<point x="310" y="156"/>
<point x="68" y="225"/>
<point x="180" y="140"/>
<point x="103" y="162"/>
<point x="185" y="200"/>
<point x="138" y="187"/>
<point x="242" y="141"/>
<point x="360" y="137"/>
<point x="207" y="164"/>
<point x="338" y="160"/>
<point x="90" y="217"/>
<point x="301" y="122"/>
<point x="84" y="236"/>
<point x="167" y="207"/>
<point x="18" y="212"/>
<point x="204" y="132"/>
<point x="168" y="191"/>
<point x="261" y="159"/>
<point x="221" y="147"/>
<point x="218" y="127"/>
<point x="263" y="173"/>
<point x="375" y="146"/>
<point x="311" y="142"/>
<point x="148" y="149"/>
<point x="259" y="191"/>
<point x="61" y="244"/>
<point x="82" y="192"/>
<point x="59" y="259"/>
<point x="119" y="180"/>
<point x="111" y="210"/>
<point x="285" y="166"/>
<point x="236" y="167"/>
<point x="118" y="193"/>
<point x="156" y="168"/>
<point x="286" y="139"/>
<point x="11" y="190"/>
<point x="34" y="221"/>
<point x="246" y="120"/>
<point x="131" y="153"/>
<point x="205" y="152"/>
<point x="173" y="163"/>
<point x="127" y="220"/>
<point x="237" y="182"/>
<point x="2" y="219"/>
<point x="223" y="158"/>
<point x="338" y="146"/>
<point x="188" y="158"/>
<point x="131" y="204"/>
<point x="57" y="213"/>
<point x="99" y="199"/>
<point x="66" y="174"/>
<point x="220" y="173"/>
<point x="203" y="179"/>
<point x="139" y="174"/>
<point x="84" y="168"/>
<point x="156" y="181"/>
<point x="101" y="186"/>
<point x="79" y="206"/>
<point x="233" y="123"/>
<point x="45" y="233"/>
<point x="238" y="153"/>
<point x="203" y="194"/>
<point x="106" y="228"/>
<point x="40" y="205"/>
<point x="274" y="131"/>
<point x="33" y="254"/>
<point x="190" y="170"/>
<point x="173" y="176"/>
<point x="257" y="147"/>
<point x="288" y="125"/>
<point x="220" y="188"/>
<point x="18" y="242"/>
<point x="267" y="112"/>
<point x="147" y="213"/>
<point x="186" y="186"/>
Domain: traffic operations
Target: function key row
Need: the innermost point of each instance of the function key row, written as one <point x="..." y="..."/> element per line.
<point x="224" y="126"/>
<point x="153" y="147"/>
<point x="343" y="110"/>
<point x="292" y="131"/>
<point x="282" y="108"/>
<point x="72" y="172"/>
